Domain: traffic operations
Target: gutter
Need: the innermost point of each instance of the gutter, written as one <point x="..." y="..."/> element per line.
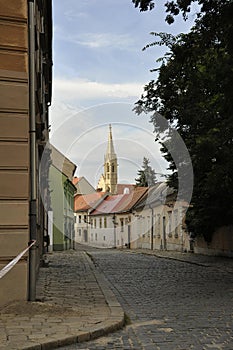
<point x="32" y="145"/>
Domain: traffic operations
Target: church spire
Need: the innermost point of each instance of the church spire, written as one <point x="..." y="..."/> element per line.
<point x="110" y="166"/>
<point x="108" y="180"/>
<point x="110" y="154"/>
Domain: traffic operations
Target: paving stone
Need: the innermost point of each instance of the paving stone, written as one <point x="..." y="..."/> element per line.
<point x="176" y="302"/>
<point x="72" y="302"/>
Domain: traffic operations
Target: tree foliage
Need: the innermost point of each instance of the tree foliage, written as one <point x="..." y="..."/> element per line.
<point x="194" y="93"/>
<point x="174" y="8"/>
<point x="146" y="175"/>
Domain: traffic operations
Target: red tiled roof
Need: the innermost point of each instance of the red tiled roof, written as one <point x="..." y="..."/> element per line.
<point x="120" y="203"/>
<point x="122" y="187"/>
<point x="131" y="199"/>
<point x="86" y="202"/>
<point x="107" y="205"/>
<point x="76" y="180"/>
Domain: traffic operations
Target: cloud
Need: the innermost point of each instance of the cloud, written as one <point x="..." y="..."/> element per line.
<point x="104" y="40"/>
<point x="83" y="89"/>
<point x="98" y="40"/>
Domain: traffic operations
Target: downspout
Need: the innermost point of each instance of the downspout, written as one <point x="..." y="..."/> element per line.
<point x="152" y="227"/>
<point x="32" y="144"/>
<point x="114" y="229"/>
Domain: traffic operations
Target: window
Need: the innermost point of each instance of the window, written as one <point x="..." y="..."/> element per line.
<point x="85" y="218"/>
<point x="113" y="169"/>
<point x="91" y="223"/>
<point x="80" y="232"/>
<point x="79" y="219"/>
<point x="100" y="221"/>
<point x="94" y="223"/>
<point x="96" y="236"/>
<point x="105" y="222"/>
<point x="122" y="224"/>
<point x="107" y="168"/>
<point x="104" y="238"/>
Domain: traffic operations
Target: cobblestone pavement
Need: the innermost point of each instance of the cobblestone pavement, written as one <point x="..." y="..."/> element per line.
<point x="172" y="304"/>
<point x="75" y="304"/>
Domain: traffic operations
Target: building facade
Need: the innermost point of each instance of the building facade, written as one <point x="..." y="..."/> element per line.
<point x="159" y="221"/>
<point x="107" y="223"/>
<point x="147" y="218"/>
<point x="62" y="201"/>
<point x="25" y="96"/>
<point x="83" y="204"/>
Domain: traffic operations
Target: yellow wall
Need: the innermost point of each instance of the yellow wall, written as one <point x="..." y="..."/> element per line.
<point x="14" y="147"/>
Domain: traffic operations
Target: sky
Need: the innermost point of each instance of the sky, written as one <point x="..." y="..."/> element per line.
<point x="99" y="70"/>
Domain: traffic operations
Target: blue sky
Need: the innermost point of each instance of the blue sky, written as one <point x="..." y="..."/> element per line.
<point x="98" y="74"/>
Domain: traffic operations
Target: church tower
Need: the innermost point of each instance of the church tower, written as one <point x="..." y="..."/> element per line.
<point x="108" y="181"/>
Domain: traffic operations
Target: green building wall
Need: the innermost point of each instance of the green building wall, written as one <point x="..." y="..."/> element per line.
<point x="62" y="203"/>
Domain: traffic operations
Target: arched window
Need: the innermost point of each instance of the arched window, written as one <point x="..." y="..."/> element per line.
<point x="113" y="168"/>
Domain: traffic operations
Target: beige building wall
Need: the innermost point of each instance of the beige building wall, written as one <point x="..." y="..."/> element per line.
<point x="168" y="228"/>
<point x="14" y="147"/>
<point x="14" y="137"/>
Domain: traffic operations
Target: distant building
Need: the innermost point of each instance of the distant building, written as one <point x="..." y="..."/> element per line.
<point x="25" y="97"/>
<point x="82" y="206"/>
<point x="159" y="221"/>
<point x="106" y="222"/>
<point x="82" y="186"/>
<point x="62" y="201"/>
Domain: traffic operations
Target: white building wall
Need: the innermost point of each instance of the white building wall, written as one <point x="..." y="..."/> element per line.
<point x="168" y="230"/>
<point x="101" y="236"/>
<point x="82" y="228"/>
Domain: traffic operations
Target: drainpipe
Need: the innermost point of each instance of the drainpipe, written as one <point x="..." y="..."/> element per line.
<point x="32" y="143"/>
<point x="152" y="227"/>
<point x="164" y="234"/>
<point x="114" y="229"/>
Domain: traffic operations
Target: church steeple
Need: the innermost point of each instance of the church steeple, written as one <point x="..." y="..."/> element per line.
<point x="110" y="154"/>
<point x="110" y="166"/>
<point x="108" y="180"/>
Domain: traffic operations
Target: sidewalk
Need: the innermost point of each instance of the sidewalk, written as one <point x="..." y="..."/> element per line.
<point x="216" y="262"/>
<point x="75" y="305"/>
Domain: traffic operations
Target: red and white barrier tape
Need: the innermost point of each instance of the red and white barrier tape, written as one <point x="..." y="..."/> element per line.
<point x="13" y="262"/>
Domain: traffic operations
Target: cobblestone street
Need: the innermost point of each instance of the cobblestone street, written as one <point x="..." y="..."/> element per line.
<point x="170" y="304"/>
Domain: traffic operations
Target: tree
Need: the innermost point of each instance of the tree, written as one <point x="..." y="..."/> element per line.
<point x="174" y="8"/>
<point x="146" y="175"/>
<point x="194" y="93"/>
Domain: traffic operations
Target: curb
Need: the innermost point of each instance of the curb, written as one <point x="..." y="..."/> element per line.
<point x="117" y="314"/>
<point x="157" y="255"/>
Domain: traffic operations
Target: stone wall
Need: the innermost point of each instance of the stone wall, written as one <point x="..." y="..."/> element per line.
<point x="221" y="244"/>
